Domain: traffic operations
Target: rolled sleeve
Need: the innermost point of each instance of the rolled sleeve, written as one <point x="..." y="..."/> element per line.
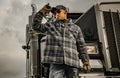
<point x="37" y="23"/>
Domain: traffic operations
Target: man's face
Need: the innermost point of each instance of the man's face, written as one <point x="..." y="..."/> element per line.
<point x="61" y="15"/>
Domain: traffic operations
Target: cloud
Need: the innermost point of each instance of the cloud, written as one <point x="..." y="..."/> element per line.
<point x="73" y="5"/>
<point x="14" y="17"/>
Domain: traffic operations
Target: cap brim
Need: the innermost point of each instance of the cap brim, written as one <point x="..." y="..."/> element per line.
<point x="54" y="10"/>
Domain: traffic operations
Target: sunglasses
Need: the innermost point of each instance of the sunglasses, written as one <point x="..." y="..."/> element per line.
<point x="58" y="11"/>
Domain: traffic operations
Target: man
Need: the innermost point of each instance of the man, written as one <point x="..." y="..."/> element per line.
<point x="64" y="43"/>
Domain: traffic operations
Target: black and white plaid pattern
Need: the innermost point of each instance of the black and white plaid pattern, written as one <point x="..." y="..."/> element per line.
<point x="64" y="42"/>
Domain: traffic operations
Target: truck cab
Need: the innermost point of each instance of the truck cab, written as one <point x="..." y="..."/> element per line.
<point x="101" y="30"/>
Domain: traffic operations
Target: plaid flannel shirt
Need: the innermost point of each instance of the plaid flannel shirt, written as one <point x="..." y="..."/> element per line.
<point x="64" y="42"/>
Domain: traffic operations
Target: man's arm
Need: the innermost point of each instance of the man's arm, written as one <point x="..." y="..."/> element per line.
<point x="83" y="52"/>
<point x="37" y="21"/>
<point x="81" y="46"/>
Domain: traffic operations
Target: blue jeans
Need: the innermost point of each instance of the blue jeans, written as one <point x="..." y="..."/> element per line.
<point x="62" y="71"/>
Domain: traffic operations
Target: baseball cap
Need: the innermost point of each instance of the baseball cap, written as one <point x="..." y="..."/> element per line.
<point x="58" y="8"/>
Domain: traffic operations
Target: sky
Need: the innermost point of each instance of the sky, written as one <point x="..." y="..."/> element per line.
<point x="13" y="19"/>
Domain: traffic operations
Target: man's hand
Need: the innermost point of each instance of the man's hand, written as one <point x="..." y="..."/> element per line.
<point x="86" y="66"/>
<point x="46" y="9"/>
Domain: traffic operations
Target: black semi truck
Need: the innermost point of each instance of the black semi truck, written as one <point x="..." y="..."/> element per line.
<point x="101" y="29"/>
